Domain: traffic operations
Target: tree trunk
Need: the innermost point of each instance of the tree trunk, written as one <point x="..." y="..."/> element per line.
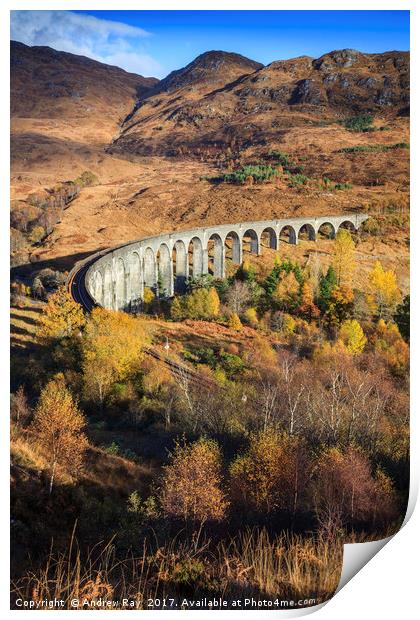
<point x="52" y="477"/>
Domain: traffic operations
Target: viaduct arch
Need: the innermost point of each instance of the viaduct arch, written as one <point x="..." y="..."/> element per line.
<point x="116" y="279"/>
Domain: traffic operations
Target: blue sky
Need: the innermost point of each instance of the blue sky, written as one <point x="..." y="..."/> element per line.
<point x="156" y="42"/>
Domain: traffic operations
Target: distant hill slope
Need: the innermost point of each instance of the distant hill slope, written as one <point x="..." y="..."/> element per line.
<point x="208" y="70"/>
<point x="46" y="82"/>
<point x="64" y="110"/>
<point x="192" y="110"/>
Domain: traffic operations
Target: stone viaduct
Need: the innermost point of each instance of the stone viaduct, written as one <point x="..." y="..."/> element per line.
<point x="116" y="278"/>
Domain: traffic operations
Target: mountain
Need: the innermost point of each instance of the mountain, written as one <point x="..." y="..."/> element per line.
<point x="190" y="111"/>
<point x="207" y="71"/>
<point x="151" y="146"/>
<point x="65" y="109"/>
<point x="46" y="82"/>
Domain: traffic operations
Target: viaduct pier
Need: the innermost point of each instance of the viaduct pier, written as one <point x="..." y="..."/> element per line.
<point x="115" y="279"/>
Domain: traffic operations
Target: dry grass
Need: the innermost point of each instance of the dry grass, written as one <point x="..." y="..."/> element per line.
<point x="23" y="323"/>
<point x="289" y="567"/>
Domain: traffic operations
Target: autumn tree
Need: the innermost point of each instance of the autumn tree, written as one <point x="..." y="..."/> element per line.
<point x="246" y="272"/>
<point x="213" y="303"/>
<point x="343" y="258"/>
<point x="19" y="407"/>
<point x="345" y="490"/>
<point x="235" y="322"/>
<point x="112" y="348"/>
<point x="62" y="317"/>
<point x="383" y="292"/>
<point x="340" y="305"/>
<point x="307" y="306"/>
<point x="251" y="317"/>
<point x="353" y="337"/>
<point x="192" y="483"/>
<point x="148" y="296"/>
<point x="58" y="425"/>
<point x="201" y="303"/>
<point x="238" y="297"/>
<point x="286" y="293"/>
<point x="391" y="346"/>
<point x="159" y="386"/>
<point x="269" y="476"/>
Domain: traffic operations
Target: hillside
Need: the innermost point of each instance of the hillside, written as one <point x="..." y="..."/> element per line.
<point x="151" y="145"/>
<point x="263" y="103"/>
<point x="64" y="110"/>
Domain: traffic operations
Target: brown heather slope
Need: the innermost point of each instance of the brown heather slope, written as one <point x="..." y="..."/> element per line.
<point x="261" y="106"/>
<point x="219" y="95"/>
<point x="64" y="110"/>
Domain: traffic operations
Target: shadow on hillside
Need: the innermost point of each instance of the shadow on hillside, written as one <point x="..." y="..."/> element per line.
<point x="59" y="263"/>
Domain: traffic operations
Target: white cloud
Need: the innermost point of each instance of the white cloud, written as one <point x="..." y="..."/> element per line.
<point x="111" y="42"/>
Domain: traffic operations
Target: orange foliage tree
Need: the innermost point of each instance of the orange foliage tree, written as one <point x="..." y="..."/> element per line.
<point x="58" y="425"/>
<point x="346" y="492"/>
<point x="270" y="475"/>
<point x="191" y="486"/>
<point x="307" y="307"/>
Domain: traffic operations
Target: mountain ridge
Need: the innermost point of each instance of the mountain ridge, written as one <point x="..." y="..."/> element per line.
<point x="191" y="114"/>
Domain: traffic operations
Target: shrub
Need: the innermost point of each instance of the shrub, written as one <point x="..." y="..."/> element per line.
<point x="251" y="317"/>
<point x="201" y="303"/>
<point x="191" y="484"/>
<point x="361" y="122"/>
<point x="266" y="477"/>
<point x="297" y="179"/>
<point x="353" y="337"/>
<point x="257" y="173"/>
<point x="235" y="322"/>
<point x="372" y="148"/>
<point x="87" y="179"/>
<point x="37" y="234"/>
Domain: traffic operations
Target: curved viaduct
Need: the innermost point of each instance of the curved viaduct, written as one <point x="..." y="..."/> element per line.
<point x="116" y="278"/>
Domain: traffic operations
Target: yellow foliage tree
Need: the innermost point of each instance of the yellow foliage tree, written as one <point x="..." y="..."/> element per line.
<point x="213" y="303"/>
<point x="393" y="348"/>
<point x="235" y="322"/>
<point x="353" y="337"/>
<point x="251" y="317"/>
<point x="287" y="291"/>
<point x="201" y="303"/>
<point x="111" y="349"/>
<point x="62" y="317"/>
<point x="191" y="485"/>
<point x="58" y="425"/>
<point x="265" y="476"/>
<point x="383" y="294"/>
<point x="289" y="324"/>
<point x="148" y="295"/>
<point x="343" y="261"/>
